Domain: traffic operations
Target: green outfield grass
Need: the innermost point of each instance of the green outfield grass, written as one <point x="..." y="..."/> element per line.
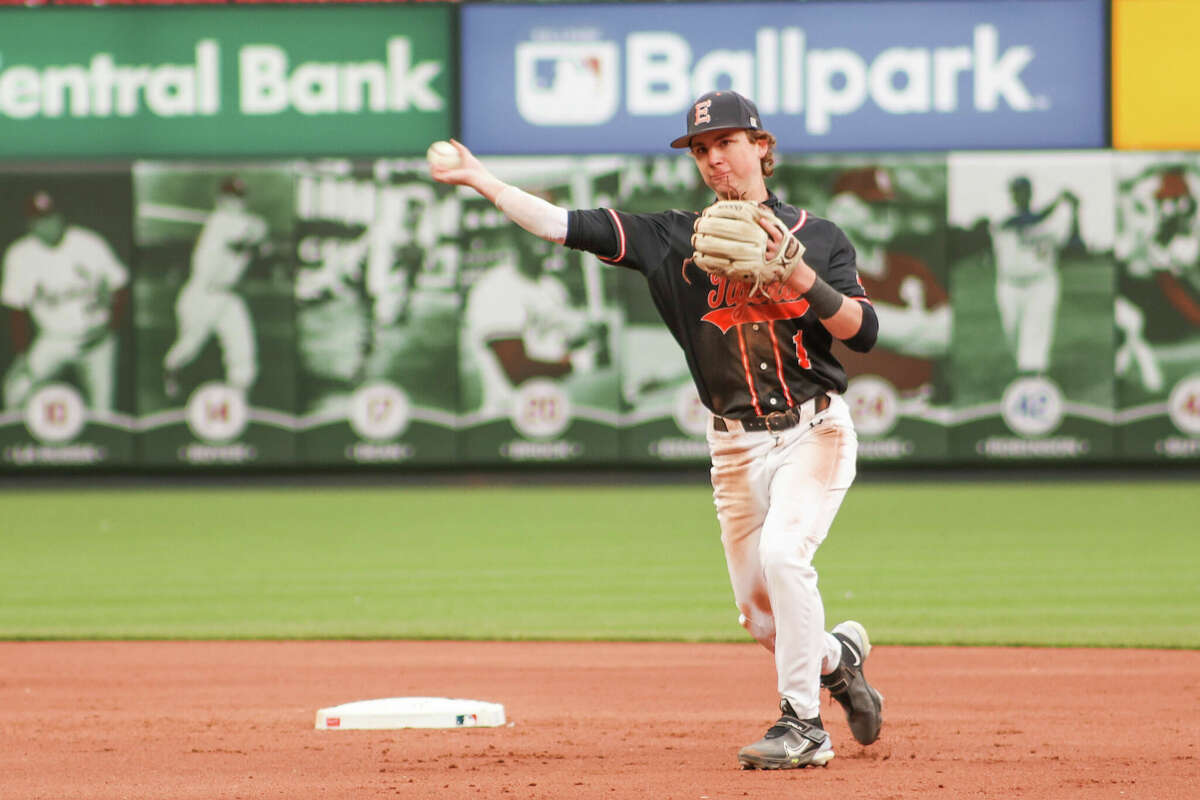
<point x="1073" y="563"/>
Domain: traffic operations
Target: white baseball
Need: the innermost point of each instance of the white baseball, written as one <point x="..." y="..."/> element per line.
<point x="442" y="155"/>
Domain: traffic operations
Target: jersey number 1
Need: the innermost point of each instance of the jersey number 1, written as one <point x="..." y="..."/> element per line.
<point x="801" y="353"/>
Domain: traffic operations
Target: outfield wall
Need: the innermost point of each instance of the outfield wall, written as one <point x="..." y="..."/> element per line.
<point x="354" y="328"/>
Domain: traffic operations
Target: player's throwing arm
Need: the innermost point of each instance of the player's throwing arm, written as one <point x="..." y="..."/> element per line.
<point x="532" y="213"/>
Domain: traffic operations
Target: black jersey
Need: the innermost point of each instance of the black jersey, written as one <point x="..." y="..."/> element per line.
<point x="749" y="356"/>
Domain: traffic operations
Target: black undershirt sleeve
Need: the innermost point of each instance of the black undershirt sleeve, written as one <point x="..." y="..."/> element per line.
<point x="868" y="332"/>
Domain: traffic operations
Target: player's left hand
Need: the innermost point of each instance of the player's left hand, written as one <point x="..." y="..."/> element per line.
<point x="744" y="241"/>
<point x="774" y="238"/>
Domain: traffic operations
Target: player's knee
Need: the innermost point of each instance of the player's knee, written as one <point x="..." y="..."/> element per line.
<point x="787" y="552"/>
<point x="788" y="565"/>
<point x="760" y="625"/>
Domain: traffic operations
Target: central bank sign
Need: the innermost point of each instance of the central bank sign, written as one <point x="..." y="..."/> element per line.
<point x="234" y="81"/>
<point x="825" y="76"/>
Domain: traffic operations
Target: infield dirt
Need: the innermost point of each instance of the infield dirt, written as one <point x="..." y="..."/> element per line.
<point x="216" y="720"/>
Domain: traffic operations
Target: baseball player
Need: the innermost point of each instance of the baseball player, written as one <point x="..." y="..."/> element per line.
<point x="912" y="305"/>
<point x="68" y="281"/>
<point x="781" y="439"/>
<point x="1160" y="249"/>
<point x="519" y="324"/>
<point x="1025" y="247"/>
<point x="1174" y="246"/>
<point x="207" y="304"/>
<point x="1163" y="218"/>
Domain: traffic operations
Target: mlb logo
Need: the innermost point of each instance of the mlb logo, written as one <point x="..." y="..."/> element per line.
<point x="567" y="83"/>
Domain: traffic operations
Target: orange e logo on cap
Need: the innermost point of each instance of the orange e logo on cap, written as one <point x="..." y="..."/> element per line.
<point x="702" y="112"/>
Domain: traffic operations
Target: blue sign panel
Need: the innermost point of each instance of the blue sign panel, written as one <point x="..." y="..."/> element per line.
<point x="826" y="76"/>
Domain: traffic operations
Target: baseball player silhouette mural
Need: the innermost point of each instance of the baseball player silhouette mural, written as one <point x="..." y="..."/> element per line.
<point x="1026" y="246"/>
<point x="377" y="312"/>
<point x="756" y="332"/>
<point x="1030" y="241"/>
<point x="216" y="298"/>
<point x="911" y="302"/>
<point x="1161" y="248"/>
<point x="897" y="389"/>
<point x="1157" y="310"/>
<point x="519" y="325"/>
<point x="208" y="304"/>
<point x="65" y="289"/>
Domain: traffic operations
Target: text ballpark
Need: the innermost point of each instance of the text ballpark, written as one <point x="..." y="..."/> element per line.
<point x="782" y="74"/>
<point x="267" y="81"/>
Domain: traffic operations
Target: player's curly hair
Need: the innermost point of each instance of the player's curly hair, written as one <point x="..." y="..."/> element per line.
<point x="767" y="161"/>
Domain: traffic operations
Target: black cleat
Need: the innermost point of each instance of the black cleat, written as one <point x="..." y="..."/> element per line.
<point x="791" y="743"/>
<point x="848" y="685"/>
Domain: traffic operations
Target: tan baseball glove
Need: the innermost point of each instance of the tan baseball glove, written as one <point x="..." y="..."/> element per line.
<point x="727" y="240"/>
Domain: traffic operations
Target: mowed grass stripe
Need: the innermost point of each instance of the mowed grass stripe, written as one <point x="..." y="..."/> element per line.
<point x="1071" y="563"/>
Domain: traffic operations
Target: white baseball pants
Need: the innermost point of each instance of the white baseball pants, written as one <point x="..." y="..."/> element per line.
<point x="96" y="364"/>
<point x="1028" y="313"/>
<point x="202" y="314"/>
<point x="776" y="496"/>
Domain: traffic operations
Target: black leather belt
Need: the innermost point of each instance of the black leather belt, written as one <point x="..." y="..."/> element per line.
<point x="777" y="420"/>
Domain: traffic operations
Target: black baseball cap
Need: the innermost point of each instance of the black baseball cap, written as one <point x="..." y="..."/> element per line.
<point x="717" y="111"/>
